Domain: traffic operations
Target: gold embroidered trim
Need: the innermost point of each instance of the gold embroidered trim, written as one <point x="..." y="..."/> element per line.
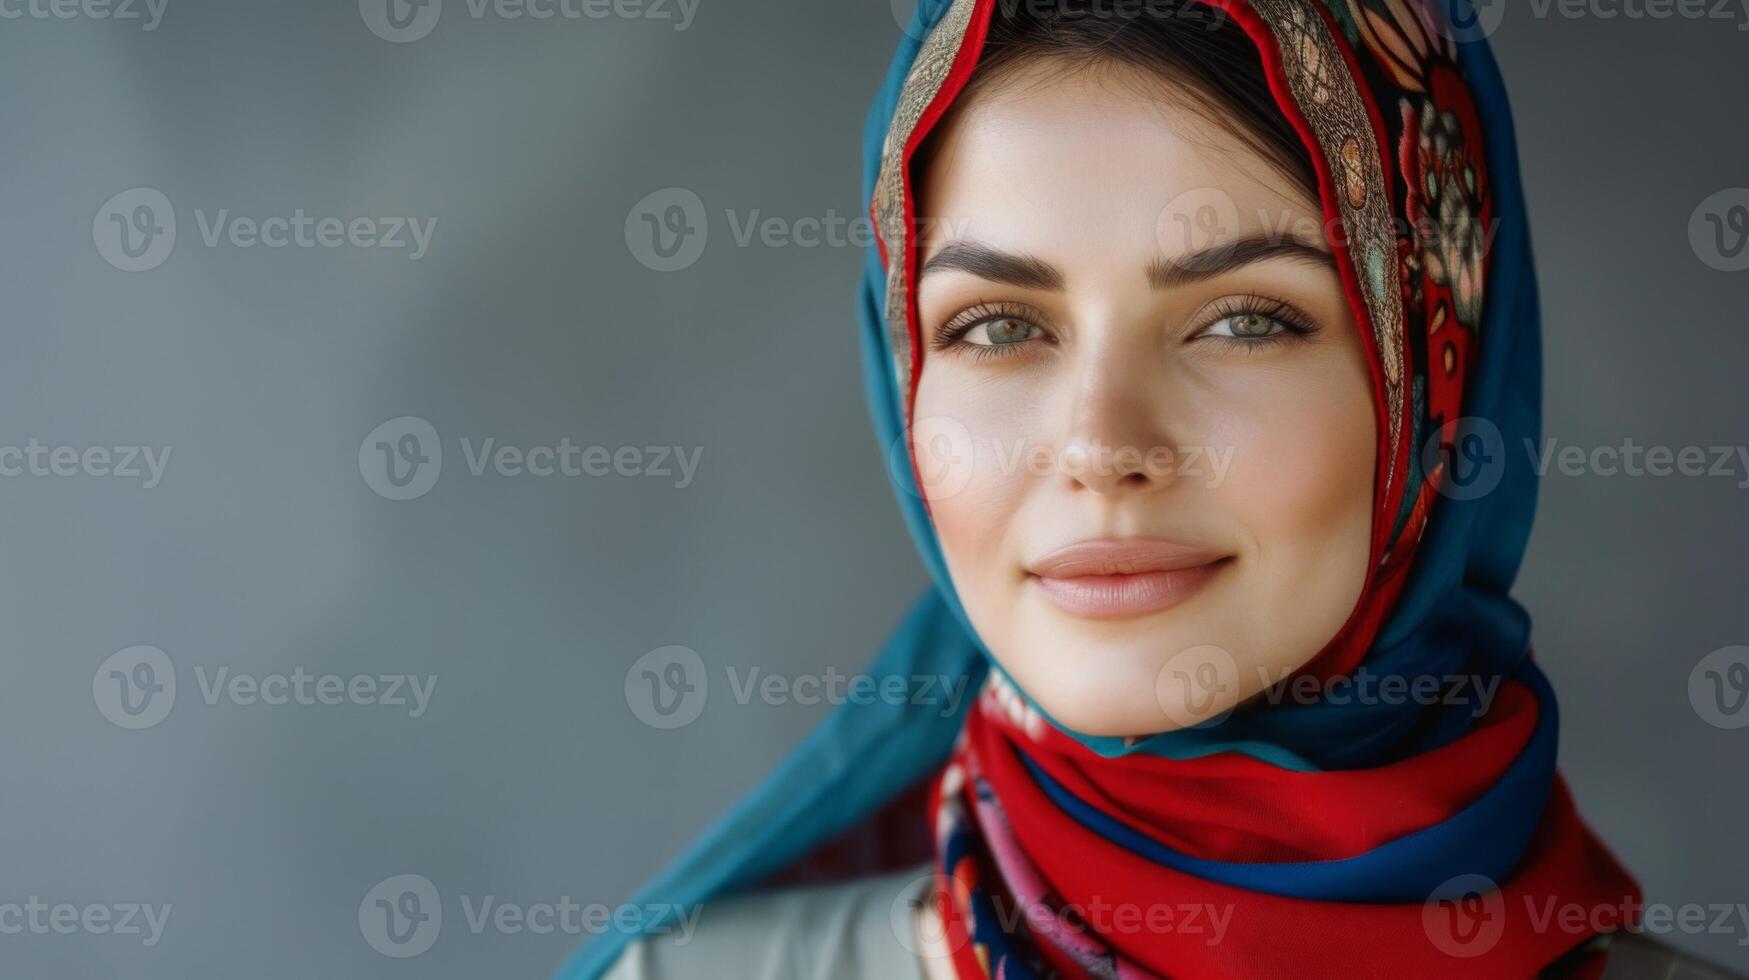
<point x="928" y="73"/>
<point x="1329" y="98"/>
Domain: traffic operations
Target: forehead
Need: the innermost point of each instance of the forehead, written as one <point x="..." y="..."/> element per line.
<point x="1059" y="156"/>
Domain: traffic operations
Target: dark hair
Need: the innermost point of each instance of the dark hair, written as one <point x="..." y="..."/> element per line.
<point x="1199" y="49"/>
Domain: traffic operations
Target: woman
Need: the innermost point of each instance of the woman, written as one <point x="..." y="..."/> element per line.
<point x="1198" y="359"/>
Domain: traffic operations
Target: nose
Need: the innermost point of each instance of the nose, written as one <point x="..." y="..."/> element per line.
<point x="1116" y="442"/>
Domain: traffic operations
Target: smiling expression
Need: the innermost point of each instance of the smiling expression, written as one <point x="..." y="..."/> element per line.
<point x="1161" y="428"/>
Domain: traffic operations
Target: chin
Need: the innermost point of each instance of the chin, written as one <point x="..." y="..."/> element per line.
<point x="1098" y="682"/>
<point x="1106" y="725"/>
<point x="1115" y="713"/>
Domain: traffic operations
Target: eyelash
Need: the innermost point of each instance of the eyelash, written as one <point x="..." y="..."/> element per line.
<point x="950" y="334"/>
<point x="1296" y="325"/>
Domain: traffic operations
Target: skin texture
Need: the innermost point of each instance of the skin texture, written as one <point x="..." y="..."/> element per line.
<point x="1251" y="442"/>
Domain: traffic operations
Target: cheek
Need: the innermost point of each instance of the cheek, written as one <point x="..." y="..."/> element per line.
<point x="1302" y="470"/>
<point x="971" y="443"/>
<point x="1300" y="482"/>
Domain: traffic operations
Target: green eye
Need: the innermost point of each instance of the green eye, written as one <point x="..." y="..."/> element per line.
<point x="1247" y="326"/>
<point x="1000" y="332"/>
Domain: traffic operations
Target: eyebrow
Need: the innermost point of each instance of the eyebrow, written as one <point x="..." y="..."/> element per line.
<point x="1030" y="272"/>
<point x="995" y="265"/>
<point x="1221" y="259"/>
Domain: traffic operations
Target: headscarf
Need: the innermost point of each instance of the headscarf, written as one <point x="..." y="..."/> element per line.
<point x="1340" y="837"/>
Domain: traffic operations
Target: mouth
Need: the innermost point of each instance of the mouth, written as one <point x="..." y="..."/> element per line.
<point x="1120" y="578"/>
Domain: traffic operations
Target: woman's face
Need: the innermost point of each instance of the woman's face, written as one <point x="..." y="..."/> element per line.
<point x="1144" y="424"/>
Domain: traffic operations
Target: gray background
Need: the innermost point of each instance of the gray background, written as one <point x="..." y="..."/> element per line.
<point x="530" y="320"/>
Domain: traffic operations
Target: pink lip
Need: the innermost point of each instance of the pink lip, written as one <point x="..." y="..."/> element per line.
<point x="1121" y="577"/>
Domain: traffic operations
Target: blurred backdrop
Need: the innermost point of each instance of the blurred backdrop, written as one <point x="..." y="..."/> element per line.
<point x="311" y="307"/>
